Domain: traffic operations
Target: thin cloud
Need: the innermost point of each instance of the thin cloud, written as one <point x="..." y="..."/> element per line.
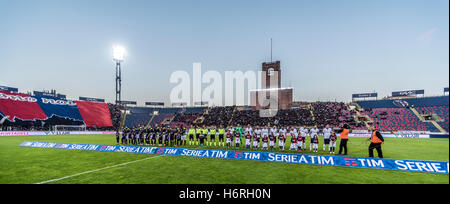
<point x="427" y="35"/>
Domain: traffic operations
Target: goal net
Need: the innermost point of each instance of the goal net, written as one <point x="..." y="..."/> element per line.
<point x="58" y="128"/>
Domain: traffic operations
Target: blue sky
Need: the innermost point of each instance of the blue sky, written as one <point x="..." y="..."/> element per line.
<point x="328" y="49"/>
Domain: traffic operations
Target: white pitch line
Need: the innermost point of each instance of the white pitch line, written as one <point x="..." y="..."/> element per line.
<point x="87" y="172"/>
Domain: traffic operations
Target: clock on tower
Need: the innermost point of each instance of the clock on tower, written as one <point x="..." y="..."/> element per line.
<point x="284" y="95"/>
<point x="270" y="68"/>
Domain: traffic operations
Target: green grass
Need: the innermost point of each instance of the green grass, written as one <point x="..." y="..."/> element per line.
<point x="33" y="165"/>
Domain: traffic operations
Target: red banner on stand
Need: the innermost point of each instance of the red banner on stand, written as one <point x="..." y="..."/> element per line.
<point x="95" y="114"/>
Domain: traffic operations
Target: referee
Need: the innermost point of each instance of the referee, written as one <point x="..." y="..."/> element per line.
<point x="376" y="141"/>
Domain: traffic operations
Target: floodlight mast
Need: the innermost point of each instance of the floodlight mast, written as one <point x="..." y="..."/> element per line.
<point x="118" y="56"/>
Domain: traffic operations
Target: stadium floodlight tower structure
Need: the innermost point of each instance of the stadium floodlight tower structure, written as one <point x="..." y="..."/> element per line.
<point x="118" y="56"/>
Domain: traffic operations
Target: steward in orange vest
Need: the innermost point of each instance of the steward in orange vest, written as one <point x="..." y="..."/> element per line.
<point x="344" y="139"/>
<point x="376" y="141"/>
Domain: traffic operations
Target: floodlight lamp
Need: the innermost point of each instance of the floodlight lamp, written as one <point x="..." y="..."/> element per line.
<point x="118" y="53"/>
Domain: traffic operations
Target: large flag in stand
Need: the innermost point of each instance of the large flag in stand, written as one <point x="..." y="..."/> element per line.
<point x="59" y="107"/>
<point x="22" y="106"/>
<point x="95" y="114"/>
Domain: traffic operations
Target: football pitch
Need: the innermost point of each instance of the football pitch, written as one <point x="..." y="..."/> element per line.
<point x="55" y="166"/>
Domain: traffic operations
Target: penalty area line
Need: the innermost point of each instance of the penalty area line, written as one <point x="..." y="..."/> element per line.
<point x="95" y="170"/>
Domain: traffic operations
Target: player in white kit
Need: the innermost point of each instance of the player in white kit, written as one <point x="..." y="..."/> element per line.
<point x="299" y="139"/>
<point x="294" y="139"/>
<point x="265" y="132"/>
<point x="257" y="131"/>
<point x="249" y="130"/>
<point x="303" y="132"/>
<point x="283" y="131"/>
<point x="294" y="134"/>
<point x="326" y="137"/>
<point x="274" y="131"/>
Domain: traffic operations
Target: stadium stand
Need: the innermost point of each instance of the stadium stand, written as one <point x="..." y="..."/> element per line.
<point x="218" y="116"/>
<point x="185" y="119"/>
<point x="157" y="120"/>
<point x="348" y="117"/>
<point x="398" y="114"/>
<point x="394" y="119"/>
<point x="143" y="116"/>
<point x="441" y="111"/>
<point x="25" y="112"/>
<point x="116" y="114"/>
<point x="137" y="119"/>
<point x="331" y="113"/>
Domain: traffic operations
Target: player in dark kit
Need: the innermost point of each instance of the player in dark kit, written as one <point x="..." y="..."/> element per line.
<point x="138" y="136"/>
<point x="147" y="136"/>
<point x="248" y="139"/>
<point x="178" y="137"/>
<point x="255" y="141"/>
<point x="183" y="136"/>
<point x="153" y="138"/>
<point x="281" y="141"/>
<point x="237" y="140"/>
<point x="141" y="136"/>
<point x="202" y="139"/>
<point x="173" y="134"/>
<point x="293" y="142"/>
<point x="130" y="136"/>
<point x="133" y="136"/>
<point x="300" y="143"/>
<point x="229" y="138"/>
<point x="160" y="136"/>
<point x="117" y="136"/>
<point x="125" y="135"/>
<point x="272" y="142"/>
<point x="264" y="142"/>
<point x="315" y="143"/>
<point x="167" y="137"/>
<point x="332" y="146"/>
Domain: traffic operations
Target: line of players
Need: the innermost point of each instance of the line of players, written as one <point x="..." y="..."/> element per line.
<point x="159" y="135"/>
<point x="265" y="138"/>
